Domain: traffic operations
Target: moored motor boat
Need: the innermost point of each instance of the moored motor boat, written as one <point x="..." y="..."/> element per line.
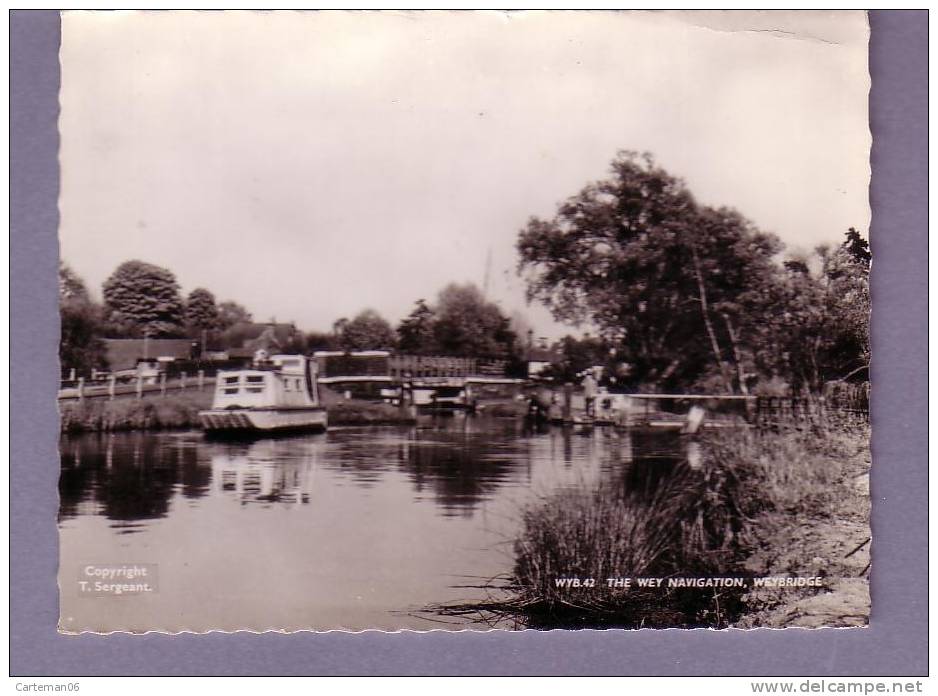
<point x="276" y="394"/>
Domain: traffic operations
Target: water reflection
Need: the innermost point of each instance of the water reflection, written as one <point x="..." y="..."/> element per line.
<point x="265" y="472"/>
<point x="360" y="524"/>
<point x="127" y="477"/>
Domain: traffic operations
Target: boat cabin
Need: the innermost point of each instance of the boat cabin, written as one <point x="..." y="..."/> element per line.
<point x="281" y="381"/>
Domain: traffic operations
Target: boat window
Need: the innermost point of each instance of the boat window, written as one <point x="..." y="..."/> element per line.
<point x="231" y="390"/>
<point x="231" y="380"/>
<point x="254" y="390"/>
<point x="255" y="378"/>
<point x="286" y="385"/>
<point x="297" y="385"/>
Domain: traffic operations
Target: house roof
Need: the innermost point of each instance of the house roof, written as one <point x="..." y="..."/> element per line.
<point x="123" y="353"/>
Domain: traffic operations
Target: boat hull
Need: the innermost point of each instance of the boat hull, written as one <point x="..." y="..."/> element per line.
<point x="263" y="420"/>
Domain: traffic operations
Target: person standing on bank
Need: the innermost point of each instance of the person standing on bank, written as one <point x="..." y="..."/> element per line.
<point x="589" y="392"/>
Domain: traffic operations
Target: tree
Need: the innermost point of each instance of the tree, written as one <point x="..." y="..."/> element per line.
<point x="201" y="312"/>
<point x="846" y="273"/>
<point x="675" y="287"/>
<point x="80" y="345"/>
<point x="145" y="299"/>
<point x="579" y="354"/>
<point x="231" y="313"/>
<point x="320" y="340"/>
<point x="466" y="324"/>
<point x="857" y="248"/>
<point x="71" y="287"/>
<point x="820" y="319"/>
<point x="416" y="331"/>
<point x="367" y="331"/>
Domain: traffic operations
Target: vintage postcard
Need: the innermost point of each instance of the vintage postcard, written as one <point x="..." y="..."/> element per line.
<point x="464" y="320"/>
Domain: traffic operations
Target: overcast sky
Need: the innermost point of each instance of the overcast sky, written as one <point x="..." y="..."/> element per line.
<point x="311" y="165"/>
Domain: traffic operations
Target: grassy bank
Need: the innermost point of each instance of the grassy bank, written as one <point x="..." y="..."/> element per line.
<point x="761" y="504"/>
<point x="355" y="412"/>
<point x="180" y="410"/>
<point x="175" y="410"/>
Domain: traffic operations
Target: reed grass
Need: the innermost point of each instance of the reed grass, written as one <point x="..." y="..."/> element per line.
<point x="693" y="522"/>
<point x="176" y="410"/>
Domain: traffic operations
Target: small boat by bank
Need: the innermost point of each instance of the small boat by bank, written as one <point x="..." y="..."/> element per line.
<point x="444" y="397"/>
<point x="276" y="394"/>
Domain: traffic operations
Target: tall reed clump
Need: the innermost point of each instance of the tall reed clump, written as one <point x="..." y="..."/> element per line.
<point x="686" y="526"/>
<point x="689" y="523"/>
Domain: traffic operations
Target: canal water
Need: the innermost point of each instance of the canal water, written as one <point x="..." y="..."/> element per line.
<point x="357" y="528"/>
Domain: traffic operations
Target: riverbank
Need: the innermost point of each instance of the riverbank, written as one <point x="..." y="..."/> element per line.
<point x="824" y="535"/>
<point x="173" y="411"/>
<point x="180" y="410"/>
<point x="790" y="504"/>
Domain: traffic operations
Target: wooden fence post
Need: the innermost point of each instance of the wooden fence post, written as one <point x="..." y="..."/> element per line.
<point x="111" y="386"/>
<point x="201" y="379"/>
<point x="81" y="388"/>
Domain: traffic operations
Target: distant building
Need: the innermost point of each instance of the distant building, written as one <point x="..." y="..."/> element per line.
<point x="124" y="353"/>
<point x="539" y="359"/>
<point x="246" y="338"/>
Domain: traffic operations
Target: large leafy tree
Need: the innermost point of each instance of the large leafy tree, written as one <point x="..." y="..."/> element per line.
<point x="201" y="311"/>
<point x="231" y="313"/>
<point x="416" y="331"/>
<point x="675" y="287"/>
<point x="367" y="331"/>
<point x="467" y="324"/>
<point x="80" y="346"/>
<point x="144" y="299"/>
<point x="819" y="321"/>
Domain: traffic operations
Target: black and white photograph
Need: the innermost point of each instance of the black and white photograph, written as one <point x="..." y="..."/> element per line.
<point x="464" y="320"/>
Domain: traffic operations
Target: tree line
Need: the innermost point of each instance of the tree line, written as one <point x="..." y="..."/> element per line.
<point x="144" y="300"/>
<point x="683" y="297"/>
<point x="691" y="297"/>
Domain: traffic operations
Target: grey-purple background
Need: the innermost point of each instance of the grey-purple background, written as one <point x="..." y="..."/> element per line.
<point x="895" y="642"/>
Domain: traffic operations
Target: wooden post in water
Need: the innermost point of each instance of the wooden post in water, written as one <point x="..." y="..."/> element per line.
<point x="162" y="384"/>
<point x="111" y="387"/>
<point x="139" y="386"/>
<point x="81" y="388"/>
<point x="567" y="402"/>
<point x="182" y="381"/>
<point x="201" y="379"/>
